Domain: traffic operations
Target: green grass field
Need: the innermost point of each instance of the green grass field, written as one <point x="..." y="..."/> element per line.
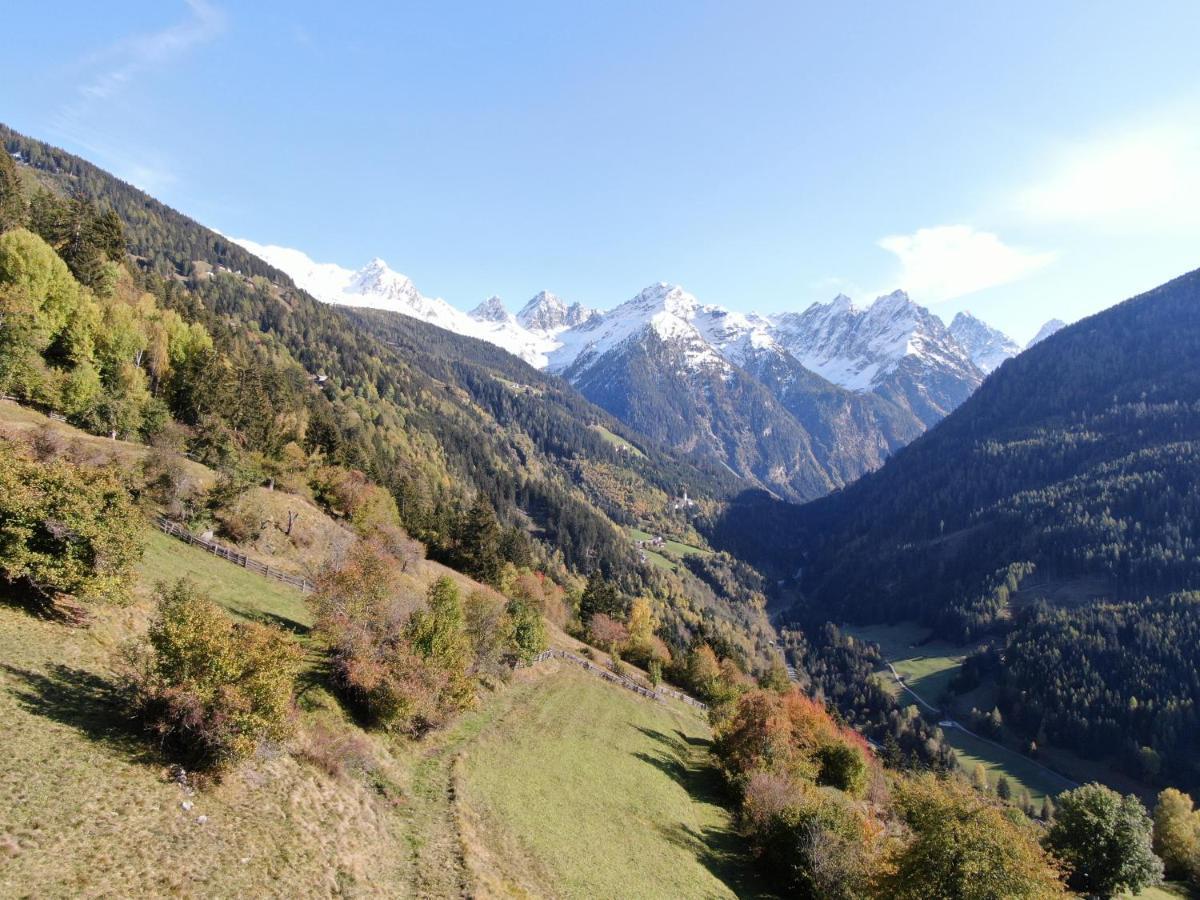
<point x="238" y="590"/>
<point x="616" y="440"/>
<point x="671" y="546"/>
<point x="583" y="791"/>
<point x="556" y="784"/>
<point x="928" y="669"/>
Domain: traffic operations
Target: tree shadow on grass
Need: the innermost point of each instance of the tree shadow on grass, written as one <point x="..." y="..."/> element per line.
<point x="720" y="850"/>
<point x="82" y="700"/>
<point x="287" y="624"/>
<point x="21" y="596"/>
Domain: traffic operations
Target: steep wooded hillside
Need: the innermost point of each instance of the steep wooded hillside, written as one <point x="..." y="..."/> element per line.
<point x="1037" y="519"/>
<point x="440" y="420"/>
<point x="1078" y="457"/>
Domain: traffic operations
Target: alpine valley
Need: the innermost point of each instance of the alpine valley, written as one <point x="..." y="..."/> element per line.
<point x="797" y="403"/>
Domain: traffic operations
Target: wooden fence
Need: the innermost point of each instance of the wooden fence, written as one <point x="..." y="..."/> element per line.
<point x="228" y="553"/>
<point x="612" y="677"/>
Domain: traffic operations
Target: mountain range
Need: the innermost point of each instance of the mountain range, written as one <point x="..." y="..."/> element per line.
<point x="799" y="403"/>
<point x="1052" y="520"/>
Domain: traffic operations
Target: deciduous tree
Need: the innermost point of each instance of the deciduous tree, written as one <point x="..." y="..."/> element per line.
<point x="1104" y="840"/>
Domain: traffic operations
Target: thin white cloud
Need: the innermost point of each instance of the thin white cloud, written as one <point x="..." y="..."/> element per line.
<point x="1141" y="176"/>
<point x="949" y="261"/>
<point x="110" y="71"/>
<point x="118" y="65"/>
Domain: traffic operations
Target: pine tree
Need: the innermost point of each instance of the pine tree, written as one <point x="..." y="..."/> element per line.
<point x="1004" y="788"/>
<point x="600" y="597"/>
<point x="12" y="204"/>
<point x="479" y="542"/>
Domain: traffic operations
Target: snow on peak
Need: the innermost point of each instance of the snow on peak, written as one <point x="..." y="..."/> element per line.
<point x="842" y="303"/>
<point x="857" y="347"/>
<point x="492" y="310"/>
<point x="377" y="286"/>
<point x="988" y="347"/>
<point x="664" y="310"/>
<point x="383" y="287"/>
<point x="548" y="313"/>
<point x="1046" y="330"/>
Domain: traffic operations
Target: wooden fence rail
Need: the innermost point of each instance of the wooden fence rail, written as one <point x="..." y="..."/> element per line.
<point x="241" y="559"/>
<point x="228" y="553"/>
<point x="587" y="665"/>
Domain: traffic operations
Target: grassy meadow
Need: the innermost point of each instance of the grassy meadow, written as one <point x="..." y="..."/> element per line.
<point x="556" y="784"/>
<point x="582" y="791"/>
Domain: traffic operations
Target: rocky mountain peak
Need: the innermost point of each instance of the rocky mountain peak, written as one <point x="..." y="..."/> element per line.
<point x="549" y="313"/>
<point x="491" y="310"/>
<point x="988" y="347"/>
<point x="1046" y="330"/>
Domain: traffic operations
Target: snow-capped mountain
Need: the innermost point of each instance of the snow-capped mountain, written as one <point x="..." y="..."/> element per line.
<point x="548" y="313"/>
<point x="988" y="347"/>
<point x="377" y="286"/>
<point x="491" y="310"/>
<point x="851" y="384"/>
<point x="700" y="333"/>
<point x="1046" y="330"/>
<point x="893" y="347"/>
<point x="799" y="402"/>
<point x="859" y="347"/>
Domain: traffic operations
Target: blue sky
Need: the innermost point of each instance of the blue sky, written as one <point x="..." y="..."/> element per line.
<point x="1022" y="160"/>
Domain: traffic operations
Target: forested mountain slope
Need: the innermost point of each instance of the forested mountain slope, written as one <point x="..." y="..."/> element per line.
<point x="1078" y="456"/>
<point x="1071" y="477"/>
<point x="439" y="420"/>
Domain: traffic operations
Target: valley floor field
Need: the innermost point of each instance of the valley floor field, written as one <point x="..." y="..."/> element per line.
<point x="926" y="668"/>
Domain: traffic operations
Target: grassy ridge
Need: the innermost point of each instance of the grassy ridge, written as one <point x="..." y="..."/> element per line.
<point x="90" y="808"/>
<point x="592" y="792"/>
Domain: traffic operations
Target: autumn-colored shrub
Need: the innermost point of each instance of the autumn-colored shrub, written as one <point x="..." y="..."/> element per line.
<point x="350" y="494"/>
<point x="643" y="646"/>
<point x="788" y="734"/>
<point x="402" y="667"/>
<point x="210" y="688"/>
<point x="961" y="844"/>
<point x="165" y="482"/>
<point x="64" y="529"/>
<point x="606" y="632"/>
<point x="1177" y="834"/>
<point x="812" y="843"/>
<point x="843" y="765"/>
<point x="242" y="521"/>
<point x="703" y="671"/>
<point x="407" y="551"/>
